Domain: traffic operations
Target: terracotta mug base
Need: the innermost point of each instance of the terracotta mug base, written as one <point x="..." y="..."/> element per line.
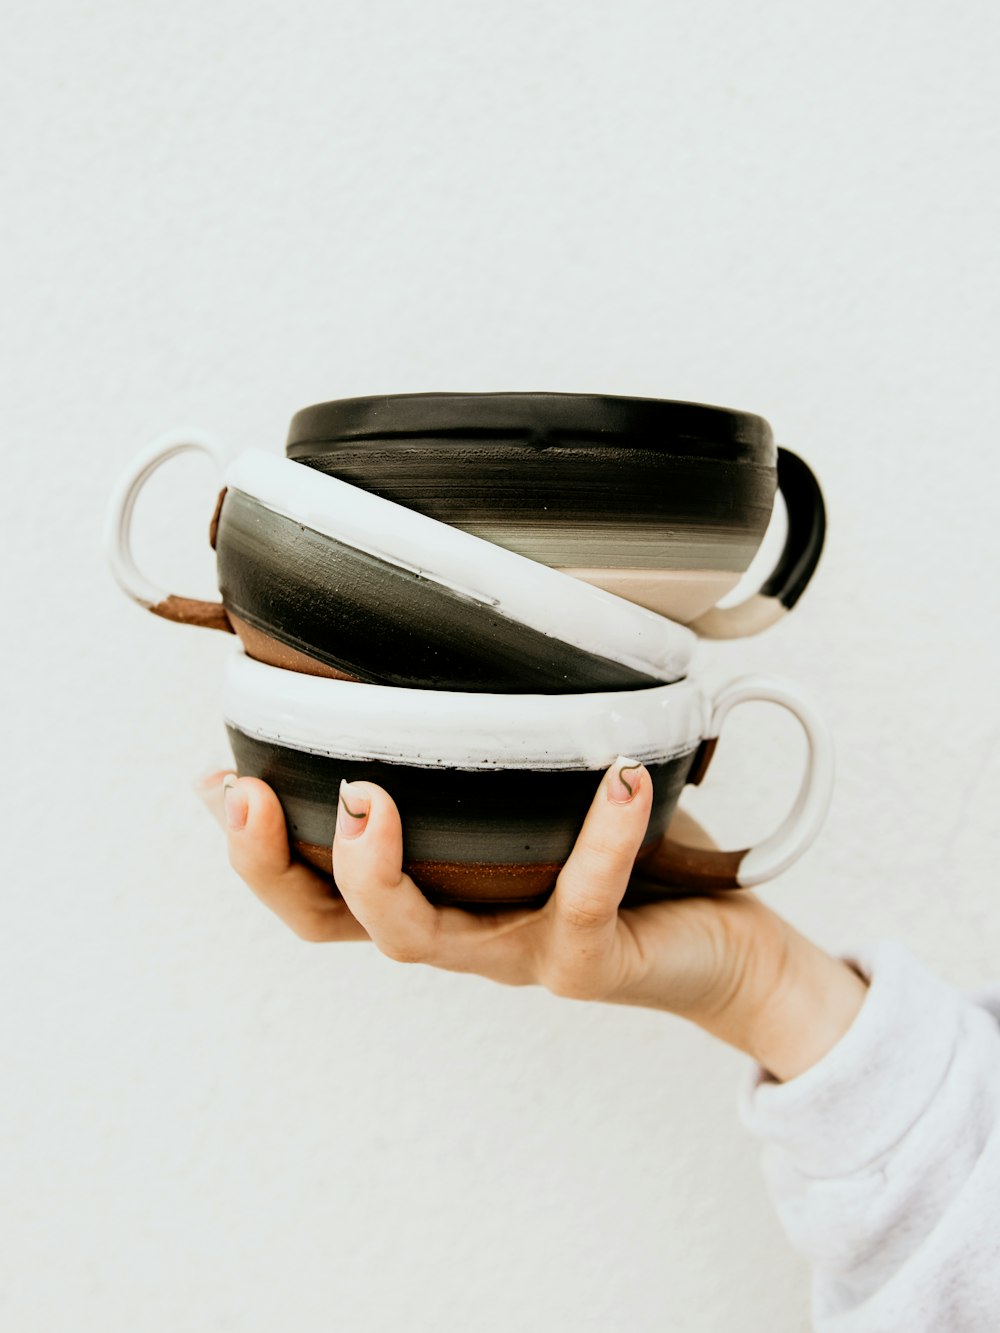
<point x="272" y="652"/>
<point x="484" y="887"/>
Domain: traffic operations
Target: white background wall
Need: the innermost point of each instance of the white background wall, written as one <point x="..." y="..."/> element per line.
<point x="216" y="214"/>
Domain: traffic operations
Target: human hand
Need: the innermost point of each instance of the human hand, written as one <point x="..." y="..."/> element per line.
<point x="724" y="960"/>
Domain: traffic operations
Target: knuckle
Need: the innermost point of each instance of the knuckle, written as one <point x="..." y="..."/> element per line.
<point x="254" y="873"/>
<point x="404" y="950"/>
<point x="414" y="940"/>
<point x="607" y="854"/>
<point x="313" y="928"/>
<point x="560" y="983"/>
<point x="571" y="984"/>
<point x="585" y="911"/>
<point x="239" y="862"/>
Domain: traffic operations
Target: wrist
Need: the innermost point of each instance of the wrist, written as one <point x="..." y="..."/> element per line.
<point x="790" y="1003"/>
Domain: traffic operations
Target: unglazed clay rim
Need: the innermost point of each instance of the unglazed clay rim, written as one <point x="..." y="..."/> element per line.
<point x="551" y="602"/>
<point x="477" y="732"/>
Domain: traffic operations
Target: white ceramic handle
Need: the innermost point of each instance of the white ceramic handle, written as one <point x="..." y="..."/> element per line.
<point x="118" y="530"/>
<point x="705" y="869"/>
<point x="805" y="819"/>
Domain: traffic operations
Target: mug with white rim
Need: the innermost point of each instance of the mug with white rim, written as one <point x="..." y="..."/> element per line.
<point x="493" y="789"/>
<point x="320" y="576"/>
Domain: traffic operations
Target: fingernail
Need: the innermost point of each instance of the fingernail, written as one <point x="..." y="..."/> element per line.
<point x="352" y="811"/>
<point x="210" y="791"/>
<point x="624" y="780"/>
<point x="236" y="802"/>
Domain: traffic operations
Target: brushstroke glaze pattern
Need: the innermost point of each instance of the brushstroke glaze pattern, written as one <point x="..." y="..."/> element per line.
<point x="311" y="567"/>
<point x="377" y="621"/>
<point x="492" y="789"/>
<point x="487" y="837"/>
<point x="661" y="502"/>
<point x="314" y="570"/>
<point x="564" y="506"/>
<point x="563" y="478"/>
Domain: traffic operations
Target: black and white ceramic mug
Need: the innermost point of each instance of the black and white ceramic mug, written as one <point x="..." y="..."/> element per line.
<point x="493" y="789"/>
<point x="320" y="576"/>
<point x="664" y="503"/>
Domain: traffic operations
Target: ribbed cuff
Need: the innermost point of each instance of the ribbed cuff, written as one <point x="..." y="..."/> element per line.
<point x="876" y="1082"/>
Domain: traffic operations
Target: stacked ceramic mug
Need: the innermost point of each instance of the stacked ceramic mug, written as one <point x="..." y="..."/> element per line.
<point x="479" y="601"/>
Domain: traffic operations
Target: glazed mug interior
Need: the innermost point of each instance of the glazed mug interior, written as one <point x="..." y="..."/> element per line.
<point x="661" y="502"/>
<point x="493" y="789"/>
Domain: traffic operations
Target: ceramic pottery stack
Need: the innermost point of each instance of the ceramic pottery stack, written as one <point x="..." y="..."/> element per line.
<point x="478" y="601"/>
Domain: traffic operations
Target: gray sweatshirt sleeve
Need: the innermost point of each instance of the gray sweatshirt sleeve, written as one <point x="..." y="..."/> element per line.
<point x="884" y="1159"/>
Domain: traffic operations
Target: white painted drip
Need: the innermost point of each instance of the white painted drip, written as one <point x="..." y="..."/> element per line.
<point x="553" y="603"/>
<point x="442" y="729"/>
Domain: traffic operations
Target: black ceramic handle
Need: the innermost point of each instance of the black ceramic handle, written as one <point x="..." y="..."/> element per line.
<point x="795" y="566"/>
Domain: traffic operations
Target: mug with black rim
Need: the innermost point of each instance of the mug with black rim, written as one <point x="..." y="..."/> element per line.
<point x="662" y="502"/>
